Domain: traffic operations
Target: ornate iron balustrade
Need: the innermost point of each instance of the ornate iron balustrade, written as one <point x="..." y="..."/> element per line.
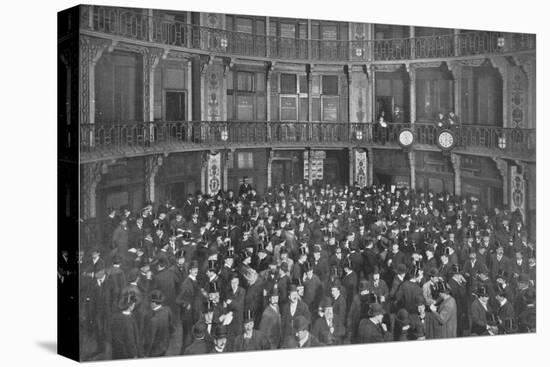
<point x="121" y="139"/>
<point x="391" y="49"/>
<point x="132" y="24"/>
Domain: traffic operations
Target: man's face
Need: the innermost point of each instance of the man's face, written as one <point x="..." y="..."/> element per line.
<point x="519" y="256"/>
<point x="220" y="342"/>
<point x="208" y="316"/>
<point x="376" y="277"/>
<point x="293" y="296"/>
<point x="249" y="326"/>
<point x="274" y="300"/>
<point x="472" y="257"/>
<point x="335" y="292"/>
<point x="316" y="255"/>
<point x="194" y="271"/>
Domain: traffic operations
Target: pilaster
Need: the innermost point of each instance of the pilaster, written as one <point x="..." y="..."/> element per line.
<point x="152" y="165"/>
<point x="502" y="167"/>
<point x="455" y="161"/>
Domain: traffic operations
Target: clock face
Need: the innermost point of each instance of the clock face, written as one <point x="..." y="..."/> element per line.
<point x="446" y="139"/>
<point x="406" y="137"/>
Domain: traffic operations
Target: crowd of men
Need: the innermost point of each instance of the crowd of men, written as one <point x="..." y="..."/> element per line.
<point x="305" y="266"/>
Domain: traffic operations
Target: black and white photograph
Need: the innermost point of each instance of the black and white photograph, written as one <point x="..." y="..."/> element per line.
<point x="282" y="183"/>
<point x="252" y="182"/>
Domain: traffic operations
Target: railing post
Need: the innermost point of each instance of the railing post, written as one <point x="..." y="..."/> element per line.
<point x="412" y="42"/>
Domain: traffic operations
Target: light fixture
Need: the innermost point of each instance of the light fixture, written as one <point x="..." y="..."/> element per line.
<point x="358" y="52"/>
<point x="224" y="134"/>
<point x="223" y="42"/>
<point x="359" y="135"/>
<point x="502" y="142"/>
<point x="500" y="41"/>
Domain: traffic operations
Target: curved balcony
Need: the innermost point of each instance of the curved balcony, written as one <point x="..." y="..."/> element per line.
<point x="135" y="26"/>
<point x="111" y="141"/>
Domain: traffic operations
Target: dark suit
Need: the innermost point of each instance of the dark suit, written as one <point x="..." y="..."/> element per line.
<point x="125" y="342"/>
<point x="478" y="317"/>
<point x="271" y="326"/>
<point x="189" y="299"/>
<point x="327" y="336"/>
<point x="159" y="328"/>
<point x="407" y="295"/>
<point x="313" y="293"/>
<point x="257" y="341"/>
<point x="371" y="333"/>
<point x="287" y="318"/>
<point x="291" y="342"/>
<point x="167" y="282"/>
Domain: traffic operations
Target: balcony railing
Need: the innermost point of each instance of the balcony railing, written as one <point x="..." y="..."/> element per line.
<point x="122" y="139"/>
<point x="135" y="25"/>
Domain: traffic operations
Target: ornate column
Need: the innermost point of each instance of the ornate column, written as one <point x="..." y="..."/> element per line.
<point x="502" y="65"/>
<point x="502" y="166"/>
<point x="455" y="161"/>
<point x="151" y="58"/>
<point x="348" y="72"/>
<point x="372" y="91"/>
<point x="351" y="166"/>
<point x="227" y="155"/>
<point x="456" y="70"/>
<point x="528" y="64"/>
<point x="152" y="165"/>
<point x="70" y="60"/>
<point x="269" y="166"/>
<point x="310" y="168"/>
<point x="205" y="62"/>
<point x="370" y="168"/>
<point x="91" y="176"/>
<point x="267" y="38"/>
<point x="90" y="52"/>
<point x="204" y="164"/>
<point x="412" y="162"/>
<point x="268" y="73"/>
<point x="411" y="69"/>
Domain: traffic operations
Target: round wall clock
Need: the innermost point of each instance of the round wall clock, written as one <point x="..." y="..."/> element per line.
<point x="446" y="139"/>
<point x="406" y="138"/>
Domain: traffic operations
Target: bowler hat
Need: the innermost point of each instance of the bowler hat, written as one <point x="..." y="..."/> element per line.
<point x="199" y="330"/>
<point x="403" y="317"/>
<point x="375" y="309"/>
<point x="326" y="302"/>
<point x="300" y="324"/>
<point x="401" y="269"/>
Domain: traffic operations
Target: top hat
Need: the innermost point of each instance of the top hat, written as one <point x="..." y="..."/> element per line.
<point x="248" y="317"/>
<point x="481" y="291"/>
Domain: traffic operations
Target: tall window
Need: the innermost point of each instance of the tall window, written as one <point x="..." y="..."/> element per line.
<point x="245" y="160"/>
<point x="246" y="96"/>
<point x="293" y="103"/>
